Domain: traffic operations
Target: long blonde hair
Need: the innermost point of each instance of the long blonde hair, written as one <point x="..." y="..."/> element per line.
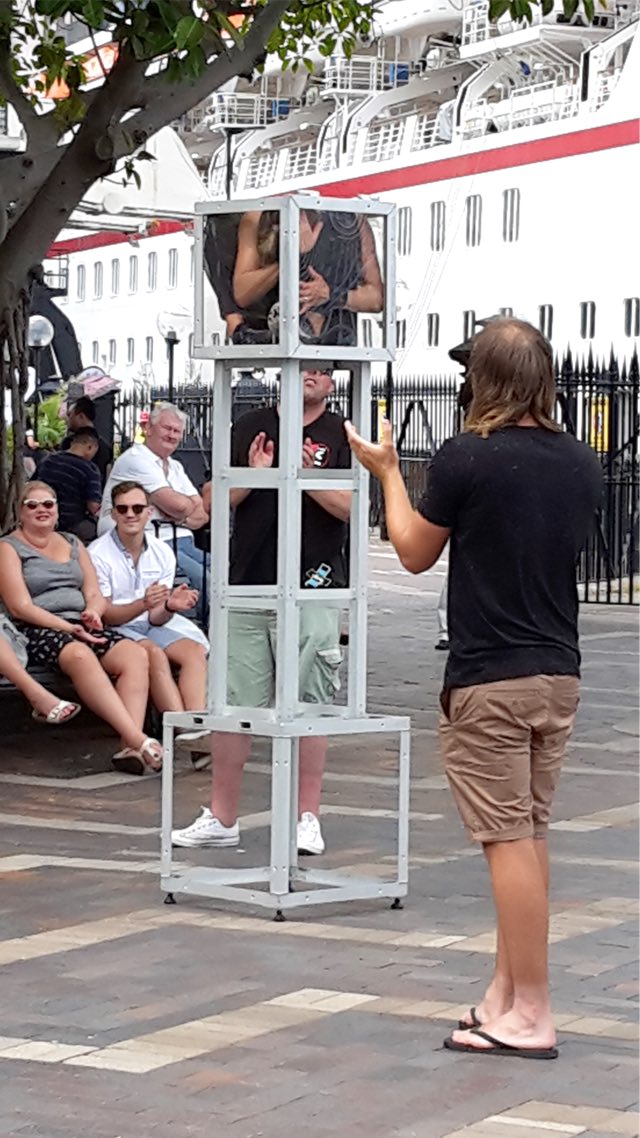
<point x="511" y="375"/>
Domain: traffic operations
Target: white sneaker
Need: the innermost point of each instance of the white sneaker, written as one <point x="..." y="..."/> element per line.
<point x="310" y="840"/>
<point x="206" y="831"/>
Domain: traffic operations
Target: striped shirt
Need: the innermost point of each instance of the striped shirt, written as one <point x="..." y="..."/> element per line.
<point x="75" y="480"/>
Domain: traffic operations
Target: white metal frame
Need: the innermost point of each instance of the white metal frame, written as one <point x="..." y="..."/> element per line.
<point x="289" y="345"/>
<point x="287" y="884"/>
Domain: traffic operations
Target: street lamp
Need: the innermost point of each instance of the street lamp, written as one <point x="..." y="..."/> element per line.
<point x="173" y="327"/>
<point x="39" y="336"/>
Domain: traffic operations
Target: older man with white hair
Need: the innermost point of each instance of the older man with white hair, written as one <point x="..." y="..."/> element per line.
<point x="178" y="508"/>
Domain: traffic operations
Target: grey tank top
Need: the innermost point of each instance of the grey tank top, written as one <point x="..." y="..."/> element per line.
<point x="53" y="585"/>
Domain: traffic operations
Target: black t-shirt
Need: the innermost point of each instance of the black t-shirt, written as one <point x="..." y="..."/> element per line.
<point x="520" y="505"/>
<point x="254" y="543"/>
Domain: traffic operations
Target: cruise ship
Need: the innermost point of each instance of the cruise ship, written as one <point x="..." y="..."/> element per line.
<point x="509" y="149"/>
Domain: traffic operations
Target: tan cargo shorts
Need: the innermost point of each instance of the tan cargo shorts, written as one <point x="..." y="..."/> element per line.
<point x="503" y="744"/>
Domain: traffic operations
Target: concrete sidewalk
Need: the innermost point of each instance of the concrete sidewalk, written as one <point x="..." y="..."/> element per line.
<point x="122" y="1017"/>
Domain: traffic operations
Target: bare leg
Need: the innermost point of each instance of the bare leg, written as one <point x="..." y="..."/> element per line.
<point x="40" y="699"/>
<point x="191" y="658"/>
<point x="229" y="753"/>
<point x="97" y="692"/>
<point x="519" y="883"/>
<point x="128" y="664"/>
<point x="162" y="686"/>
<point x="313" y="756"/>
<point x="498" y="998"/>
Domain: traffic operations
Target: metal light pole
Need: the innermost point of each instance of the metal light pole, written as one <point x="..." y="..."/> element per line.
<point x="173" y="327"/>
<point x="39" y="336"/>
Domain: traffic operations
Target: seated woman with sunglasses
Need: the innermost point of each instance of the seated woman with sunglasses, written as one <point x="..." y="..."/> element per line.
<point x="49" y="588"/>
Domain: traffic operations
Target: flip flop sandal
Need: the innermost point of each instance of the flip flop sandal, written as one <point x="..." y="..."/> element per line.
<point x="151" y="754"/>
<point x="475" y="1022"/>
<point x="57" y="713"/>
<point x="499" y="1048"/>
<point x="128" y="761"/>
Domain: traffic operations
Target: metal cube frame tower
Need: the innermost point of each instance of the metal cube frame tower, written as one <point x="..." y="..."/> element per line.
<point x="282" y="884"/>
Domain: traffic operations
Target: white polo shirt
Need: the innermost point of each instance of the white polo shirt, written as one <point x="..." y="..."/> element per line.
<point x="118" y="576"/>
<point x="139" y="464"/>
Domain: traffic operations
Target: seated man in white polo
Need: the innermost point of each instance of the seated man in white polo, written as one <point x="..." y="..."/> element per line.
<point x="136" y="573"/>
<point x="177" y="507"/>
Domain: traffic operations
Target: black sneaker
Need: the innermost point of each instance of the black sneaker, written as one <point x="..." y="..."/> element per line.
<point x="442" y="645"/>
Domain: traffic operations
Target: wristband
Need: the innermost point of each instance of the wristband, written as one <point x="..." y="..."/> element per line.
<point x="172" y="611"/>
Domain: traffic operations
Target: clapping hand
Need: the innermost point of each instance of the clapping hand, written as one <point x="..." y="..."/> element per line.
<point x="313" y="292"/>
<point x="261" y="452"/>
<point x="156" y="594"/>
<point x="379" y="458"/>
<point x="91" y="619"/>
<point x="183" y="598"/>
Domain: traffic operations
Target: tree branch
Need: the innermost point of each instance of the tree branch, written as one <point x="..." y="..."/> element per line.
<point x="163" y="102"/>
<point x="40" y="129"/>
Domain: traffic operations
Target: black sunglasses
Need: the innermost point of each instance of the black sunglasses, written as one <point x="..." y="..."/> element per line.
<point x="123" y="510"/>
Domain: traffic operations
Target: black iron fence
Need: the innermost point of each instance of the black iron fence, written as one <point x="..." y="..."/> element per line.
<point x="598" y="403"/>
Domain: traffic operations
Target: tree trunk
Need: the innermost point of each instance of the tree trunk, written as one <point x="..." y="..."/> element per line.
<point x="14" y="377"/>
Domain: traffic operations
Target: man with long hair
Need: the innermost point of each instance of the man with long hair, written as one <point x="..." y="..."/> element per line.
<point x="517" y="497"/>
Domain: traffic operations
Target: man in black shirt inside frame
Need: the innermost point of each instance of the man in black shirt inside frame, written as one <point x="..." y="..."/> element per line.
<point x="254" y="550"/>
<point x="518" y="499"/>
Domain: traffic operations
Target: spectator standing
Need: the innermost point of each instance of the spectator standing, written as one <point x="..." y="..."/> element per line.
<point x="76" y="480"/>
<point x="177" y="507"/>
<point x="254" y="551"/>
<point x="511" y="684"/>
<point x="83" y="414"/>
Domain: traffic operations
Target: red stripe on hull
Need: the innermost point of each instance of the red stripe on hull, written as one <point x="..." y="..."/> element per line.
<point x="484" y="161"/>
<point x="113" y="237"/>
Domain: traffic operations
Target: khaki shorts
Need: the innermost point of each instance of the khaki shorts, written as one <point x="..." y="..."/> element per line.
<point x="252" y="655"/>
<point x="503" y="744"/>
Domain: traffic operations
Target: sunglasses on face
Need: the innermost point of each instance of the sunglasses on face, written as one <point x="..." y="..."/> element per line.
<point x="123" y="510"/>
<point x="40" y="503"/>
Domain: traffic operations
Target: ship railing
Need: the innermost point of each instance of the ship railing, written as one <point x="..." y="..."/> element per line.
<point x="361" y="75"/>
<point x="605" y="86"/>
<point x="301" y="161"/>
<point x="384" y="140"/>
<point x="625" y="12"/>
<point x="424" y="132"/>
<point x="248" y="111"/>
<point x="261" y="170"/>
<point x="541" y="102"/>
<point x="477" y="27"/>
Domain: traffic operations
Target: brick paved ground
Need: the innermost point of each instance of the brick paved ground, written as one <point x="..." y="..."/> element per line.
<point x="122" y="1017"/>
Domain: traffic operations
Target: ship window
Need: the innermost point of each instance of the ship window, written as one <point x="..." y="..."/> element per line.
<point x="366" y="333"/>
<point x="215" y="338"/>
<point x="433" y="330"/>
<point x="437" y="226"/>
<point x="587" y="319"/>
<point x="474" y="219"/>
<point x="173" y="268"/>
<point x="190" y="344"/>
<point x="149" y="349"/>
<point x="545" y="320"/>
<point x="115" y="278"/>
<point x="511" y="215"/>
<point x="506" y="311"/>
<point x="95" y="351"/>
<point x="97" y="280"/>
<point x="192" y="264"/>
<point x="632" y="316"/>
<point x="405" y="229"/>
<point x="468" y="323"/>
<point x="152" y="271"/>
<point x="81" y="282"/>
<point x="131" y="351"/>
<point x="133" y="274"/>
<point x="401" y="334"/>
<point x="112" y="352"/>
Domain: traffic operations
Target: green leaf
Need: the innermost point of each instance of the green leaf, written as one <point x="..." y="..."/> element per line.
<point x="189" y="31"/>
<point x="547" y="7"/>
<point x="570" y="8"/>
<point x="93" y="13"/>
<point x="497" y="8"/>
<point x="589" y="9"/>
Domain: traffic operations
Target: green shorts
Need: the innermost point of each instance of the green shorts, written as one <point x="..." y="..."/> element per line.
<point x="252" y="654"/>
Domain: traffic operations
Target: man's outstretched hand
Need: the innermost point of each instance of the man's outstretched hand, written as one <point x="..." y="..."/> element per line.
<point x="379" y="458"/>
